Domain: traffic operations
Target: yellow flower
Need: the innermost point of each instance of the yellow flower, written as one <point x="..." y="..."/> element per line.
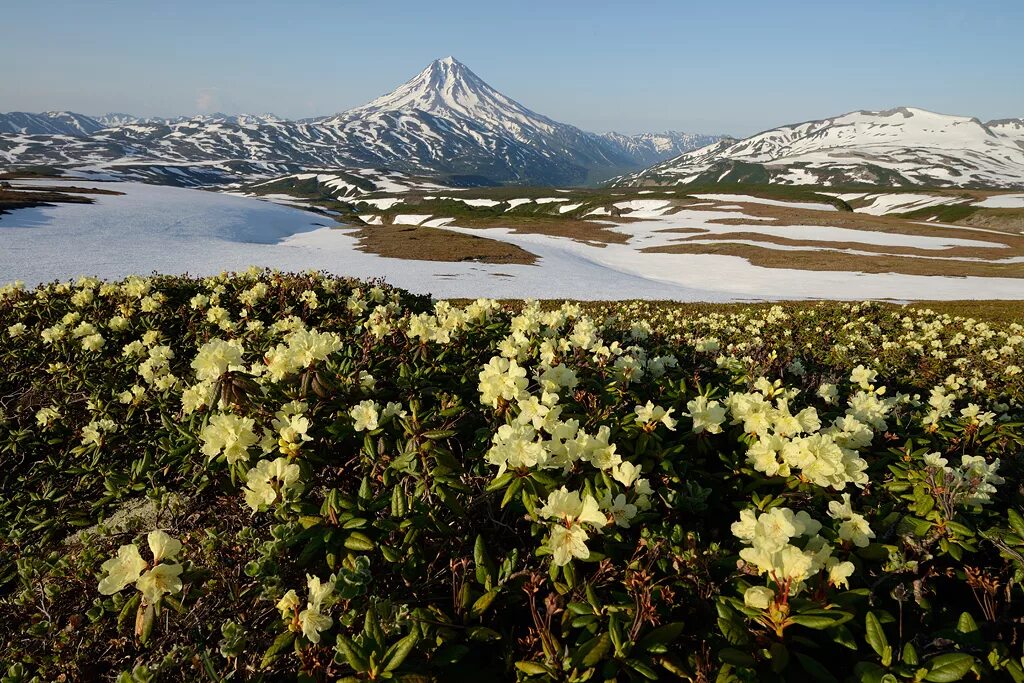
<point x="163" y="546"/>
<point x="216" y="357"/>
<point x="313" y="622"/>
<point x="228" y="434"/>
<point x="568" y="537"/>
<point x="758" y="597"/>
<point x="269" y="482"/>
<point x="567" y="543"/>
<point x="365" y="416"/>
<point x="122" y="570"/>
<point x="569" y="508"/>
<point x="707" y="416"/>
<point x="839" y="572"/>
<point x="163" y="579"/>
<point x="287" y="604"/>
<point x="651" y="414"/>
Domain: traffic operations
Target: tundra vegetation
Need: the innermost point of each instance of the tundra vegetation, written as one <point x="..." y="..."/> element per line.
<point x="263" y="476"/>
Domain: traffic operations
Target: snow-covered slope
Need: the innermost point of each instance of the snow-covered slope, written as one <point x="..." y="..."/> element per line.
<point x="650" y="148"/>
<point x="48" y="123"/>
<point x="445" y="122"/>
<point x="898" y="147"/>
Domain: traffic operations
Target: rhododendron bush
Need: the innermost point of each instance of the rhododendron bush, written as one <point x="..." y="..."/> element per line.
<point x="263" y="476"/>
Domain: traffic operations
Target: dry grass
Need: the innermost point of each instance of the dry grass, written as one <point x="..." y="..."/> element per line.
<point x="999" y="250"/>
<point x="585" y="232"/>
<point x="60" y="189"/>
<point x="829" y="260"/>
<point x="435" y="244"/>
<point x="852" y="221"/>
<point x="24" y="197"/>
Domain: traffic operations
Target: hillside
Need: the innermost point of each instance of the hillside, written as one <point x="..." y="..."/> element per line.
<point x="445" y="122"/>
<point x="898" y="147"/>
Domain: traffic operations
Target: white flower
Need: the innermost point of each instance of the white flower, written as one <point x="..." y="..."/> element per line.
<point x="163" y="546"/>
<point x="839" y="572"/>
<point x="758" y="597"/>
<point x="365" y="416"/>
<point x="216" y="357"/>
<point x="122" y="570"/>
<point x="707" y="416"/>
<point x="863" y="377"/>
<point x="230" y="435"/>
<point x="567" y="543"/>
<point x="269" y="482"/>
<point x="163" y="579"/>
<point x="571" y="512"/>
<point x="651" y="414"/>
<point x="620" y="510"/>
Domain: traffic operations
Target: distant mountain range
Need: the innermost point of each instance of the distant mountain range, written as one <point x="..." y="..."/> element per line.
<point x="445" y="122"/>
<point x="897" y="147"/>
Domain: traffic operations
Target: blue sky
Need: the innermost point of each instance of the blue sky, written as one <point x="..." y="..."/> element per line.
<point x="731" y="67"/>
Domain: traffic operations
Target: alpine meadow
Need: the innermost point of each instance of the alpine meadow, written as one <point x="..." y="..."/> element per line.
<point x="724" y="383"/>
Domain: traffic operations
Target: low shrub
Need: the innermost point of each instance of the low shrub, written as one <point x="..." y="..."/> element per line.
<point x="263" y="476"/>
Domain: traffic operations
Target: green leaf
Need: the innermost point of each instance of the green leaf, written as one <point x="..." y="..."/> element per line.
<point x="531" y="668"/>
<point x="352" y="654"/>
<point x="948" y="668"/>
<point x="731" y="625"/>
<point x="779" y="656"/>
<point x="1016" y="521"/>
<point x="731" y="655"/>
<point x="483" y="602"/>
<point x="500" y="482"/>
<point x="817" y="622"/>
<point x="817" y="671"/>
<point x="308" y="521"/>
<point x="660" y="637"/>
<point x="592" y="651"/>
<point x="397" y="653"/>
<point x="966" y="624"/>
<point x="281" y="642"/>
<point x="359" y="541"/>
<point x="869" y="672"/>
<point x="642" y="669"/>
<point x="145" y="617"/>
<point x="511" y="492"/>
<point x="874" y="634"/>
<point x="129" y="606"/>
<point x="485" y="570"/>
<point x="482" y="634"/>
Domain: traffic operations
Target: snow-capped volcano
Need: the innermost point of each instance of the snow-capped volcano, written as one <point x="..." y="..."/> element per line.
<point x="900" y="147"/>
<point x="444" y="122"/>
<point x="448" y="89"/>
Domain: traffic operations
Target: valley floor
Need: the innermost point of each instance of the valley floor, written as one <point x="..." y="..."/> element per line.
<point x="703" y="247"/>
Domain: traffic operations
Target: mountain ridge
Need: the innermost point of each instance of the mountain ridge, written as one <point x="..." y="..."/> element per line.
<point x="444" y="121"/>
<point x="903" y="146"/>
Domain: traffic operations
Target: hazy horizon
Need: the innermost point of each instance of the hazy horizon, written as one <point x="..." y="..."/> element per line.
<point x="649" y="66"/>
